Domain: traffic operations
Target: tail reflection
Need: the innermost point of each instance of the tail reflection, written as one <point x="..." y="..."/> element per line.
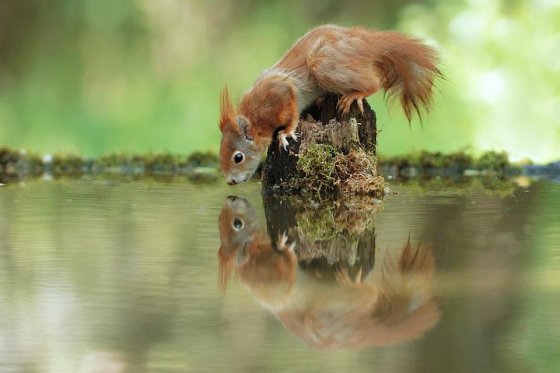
<point x="334" y="306"/>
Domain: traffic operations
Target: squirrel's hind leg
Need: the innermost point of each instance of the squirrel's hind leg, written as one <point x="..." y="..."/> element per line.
<point x="339" y="68"/>
<point x="345" y="101"/>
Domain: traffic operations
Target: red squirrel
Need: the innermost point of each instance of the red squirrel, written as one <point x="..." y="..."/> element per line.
<point x="351" y="62"/>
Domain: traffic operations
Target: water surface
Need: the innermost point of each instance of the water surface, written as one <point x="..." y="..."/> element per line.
<point x="143" y="276"/>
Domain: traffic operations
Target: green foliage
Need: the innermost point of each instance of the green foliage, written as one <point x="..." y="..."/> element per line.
<point x="200" y="167"/>
<point x="458" y="162"/>
<point x="164" y="162"/>
<point x="113" y="160"/>
<point x="68" y="164"/>
<point x="462" y="185"/>
<point x="496" y="161"/>
<point x="14" y="162"/>
<point x="139" y="76"/>
<point x="203" y="159"/>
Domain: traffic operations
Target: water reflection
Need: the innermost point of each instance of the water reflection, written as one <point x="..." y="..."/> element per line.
<point x="108" y="362"/>
<point x="101" y="276"/>
<point x="327" y="282"/>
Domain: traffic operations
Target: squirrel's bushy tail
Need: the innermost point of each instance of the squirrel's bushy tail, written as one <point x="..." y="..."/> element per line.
<point x="407" y="69"/>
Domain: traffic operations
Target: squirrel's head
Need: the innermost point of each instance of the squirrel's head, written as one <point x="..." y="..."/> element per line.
<point x="239" y="155"/>
<point x="238" y="223"/>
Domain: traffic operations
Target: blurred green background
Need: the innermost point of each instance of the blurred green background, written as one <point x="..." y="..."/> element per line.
<point x="99" y="76"/>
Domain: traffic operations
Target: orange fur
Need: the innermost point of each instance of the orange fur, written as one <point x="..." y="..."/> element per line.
<point x="351" y="62"/>
<point x="227" y="113"/>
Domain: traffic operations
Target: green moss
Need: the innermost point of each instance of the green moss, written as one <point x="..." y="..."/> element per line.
<point x="330" y="220"/>
<point x="333" y="231"/>
<point x="316" y="169"/>
<point x="324" y="172"/>
<point x="318" y="224"/>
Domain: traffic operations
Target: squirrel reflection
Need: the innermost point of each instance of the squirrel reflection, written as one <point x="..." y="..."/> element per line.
<point x="246" y="249"/>
<point x="390" y="304"/>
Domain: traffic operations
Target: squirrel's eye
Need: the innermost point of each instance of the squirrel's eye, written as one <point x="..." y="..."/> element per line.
<point x="237" y="224"/>
<point x="238" y="157"/>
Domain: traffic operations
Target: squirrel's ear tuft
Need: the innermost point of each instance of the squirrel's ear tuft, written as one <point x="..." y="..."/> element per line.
<point x="227" y="114"/>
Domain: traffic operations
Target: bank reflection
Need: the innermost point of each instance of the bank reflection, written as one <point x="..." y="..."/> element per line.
<point x="324" y="280"/>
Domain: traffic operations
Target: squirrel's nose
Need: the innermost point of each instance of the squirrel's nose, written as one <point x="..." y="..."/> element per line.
<point x="231" y="182"/>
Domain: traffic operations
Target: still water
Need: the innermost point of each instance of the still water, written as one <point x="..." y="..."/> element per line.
<point x="146" y="276"/>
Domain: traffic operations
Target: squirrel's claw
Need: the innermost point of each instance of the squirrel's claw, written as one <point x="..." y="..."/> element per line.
<point x="292" y="247"/>
<point x="293" y="135"/>
<point x="282" y="243"/>
<point x="360" y="103"/>
<point x="283" y="139"/>
<point x="345" y="102"/>
<point x="283" y="239"/>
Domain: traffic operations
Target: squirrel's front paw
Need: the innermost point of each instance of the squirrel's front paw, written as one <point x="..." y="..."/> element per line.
<point x="283" y="138"/>
<point x="293" y="135"/>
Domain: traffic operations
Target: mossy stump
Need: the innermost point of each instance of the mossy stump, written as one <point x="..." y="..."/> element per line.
<point x="335" y="154"/>
<point x="321" y="192"/>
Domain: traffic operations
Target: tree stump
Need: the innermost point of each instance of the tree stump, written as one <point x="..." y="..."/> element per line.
<point x="351" y="141"/>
